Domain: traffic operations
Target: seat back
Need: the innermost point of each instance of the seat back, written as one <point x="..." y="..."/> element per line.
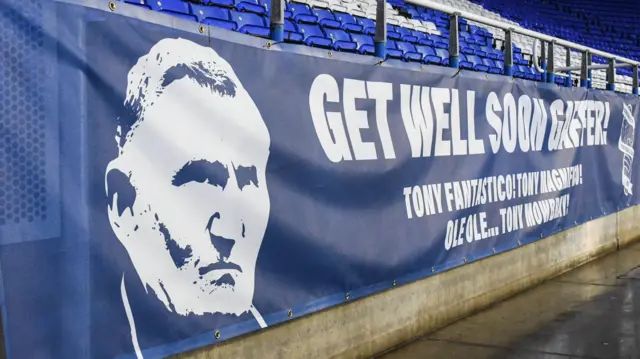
<point x="246" y="18"/>
<point x="365" y="22"/>
<point x="298" y="9"/>
<point x="337" y="35"/>
<point x="323" y="14"/>
<point x="425" y="50"/>
<point x="290" y="26"/>
<point x="175" y="6"/>
<point x="361" y="39"/>
<point x="475" y="60"/>
<point x="406" y="47"/>
<point x="308" y="30"/>
<point x="344" y="18"/>
<point x="443" y="53"/>
<point x="212" y="12"/>
<point x="488" y="62"/>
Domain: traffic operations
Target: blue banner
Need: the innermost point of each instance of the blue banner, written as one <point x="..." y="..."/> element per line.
<point x="165" y="186"/>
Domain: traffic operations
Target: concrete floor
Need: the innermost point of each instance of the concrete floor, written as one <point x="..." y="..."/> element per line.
<point x="590" y="312"/>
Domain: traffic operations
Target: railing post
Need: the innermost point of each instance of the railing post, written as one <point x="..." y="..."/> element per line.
<point x="508" y="53"/>
<point x="584" y="72"/>
<point x="454" y="41"/>
<point x="569" y="81"/>
<point x="381" y="30"/>
<point x="543" y="62"/>
<point x="611" y="75"/>
<point x="590" y="62"/>
<point x="634" y="90"/>
<point x="277" y="20"/>
<point x="551" y="76"/>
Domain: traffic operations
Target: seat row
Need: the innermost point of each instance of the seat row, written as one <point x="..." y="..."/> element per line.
<point x="325" y="28"/>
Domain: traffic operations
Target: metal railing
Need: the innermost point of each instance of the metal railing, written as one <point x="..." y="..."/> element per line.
<point x="549" y="68"/>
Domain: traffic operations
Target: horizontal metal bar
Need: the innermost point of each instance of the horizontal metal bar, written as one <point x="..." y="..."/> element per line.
<point x="591" y="67"/>
<point x="517" y="29"/>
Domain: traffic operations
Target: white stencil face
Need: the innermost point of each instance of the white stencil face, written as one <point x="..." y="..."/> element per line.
<point x="196" y="159"/>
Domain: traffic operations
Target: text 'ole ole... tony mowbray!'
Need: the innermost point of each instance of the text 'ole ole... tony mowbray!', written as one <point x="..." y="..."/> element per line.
<point x="440" y="122"/>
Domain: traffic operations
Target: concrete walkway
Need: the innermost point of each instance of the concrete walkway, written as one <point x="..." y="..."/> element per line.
<point x="590" y="312"/>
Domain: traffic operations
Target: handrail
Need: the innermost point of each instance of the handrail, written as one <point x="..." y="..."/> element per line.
<point x="520" y="30"/>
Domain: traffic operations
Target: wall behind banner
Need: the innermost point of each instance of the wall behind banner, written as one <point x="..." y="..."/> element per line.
<point x="162" y="189"/>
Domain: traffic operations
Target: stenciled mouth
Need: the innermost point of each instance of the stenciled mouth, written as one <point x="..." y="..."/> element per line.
<point x="219" y="266"/>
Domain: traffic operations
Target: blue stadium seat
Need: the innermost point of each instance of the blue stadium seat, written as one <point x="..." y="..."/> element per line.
<point x="478" y="65"/>
<point x="478" y="51"/>
<point x="444" y="55"/>
<point x="313" y="36"/>
<point x="364" y="43"/>
<point x="523" y="72"/>
<point x="250" y="23"/>
<point x="209" y="12"/>
<point x="392" y="32"/>
<point x="492" y="53"/>
<point x="368" y="25"/>
<point x="138" y="3"/>
<point x="420" y="36"/>
<point x="224" y="3"/>
<point x="326" y="19"/>
<point x="341" y="40"/>
<point x="292" y="34"/>
<point x="518" y="59"/>
<point x="464" y="63"/>
<point x="466" y="49"/>
<point x="429" y="55"/>
<point x="409" y="51"/>
<point x="223" y="24"/>
<point x="301" y="13"/>
<point x="492" y="67"/>
<point x="392" y="50"/>
<point x="406" y="35"/>
<point x="250" y="6"/>
<point x="348" y="22"/>
<point x="175" y="8"/>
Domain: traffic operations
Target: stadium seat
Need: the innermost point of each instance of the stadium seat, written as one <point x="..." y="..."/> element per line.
<point x="326" y="19"/>
<point x="348" y="22"/>
<point x="301" y="13"/>
<point x="492" y="68"/>
<point x="225" y="3"/>
<point x="444" y="55"/>
<point x="392" y="32"/>
<point x="250" y="23"/>
<point x="313" y="36"/>
<point x="429" y="55"/>
<point x="406" y="35"/>
<point x="368" y="25"/>
<point x="292" y="34"/>
<point x="223" y="24"/>
<point x="409" y="51"/>
<point x="392" y="50"/>
<point x="209" y="12"/>
<point x="138" y="3"/>
<point x="478" y="65"/>
<point x="175" y="8"/>
<point x="364" y="43"/>
<point x="341" y="40"/>
<point x="250" y="6"/>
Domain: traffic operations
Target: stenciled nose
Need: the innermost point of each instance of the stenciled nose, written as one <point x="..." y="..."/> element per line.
<point x="222" y="244"/>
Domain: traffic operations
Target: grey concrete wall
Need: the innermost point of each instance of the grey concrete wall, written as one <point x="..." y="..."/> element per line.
<point x="371" y="325"/>
<point x="628" y="225"/>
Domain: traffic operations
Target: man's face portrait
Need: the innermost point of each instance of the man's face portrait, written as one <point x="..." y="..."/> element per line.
<point x="189" y="200"/>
